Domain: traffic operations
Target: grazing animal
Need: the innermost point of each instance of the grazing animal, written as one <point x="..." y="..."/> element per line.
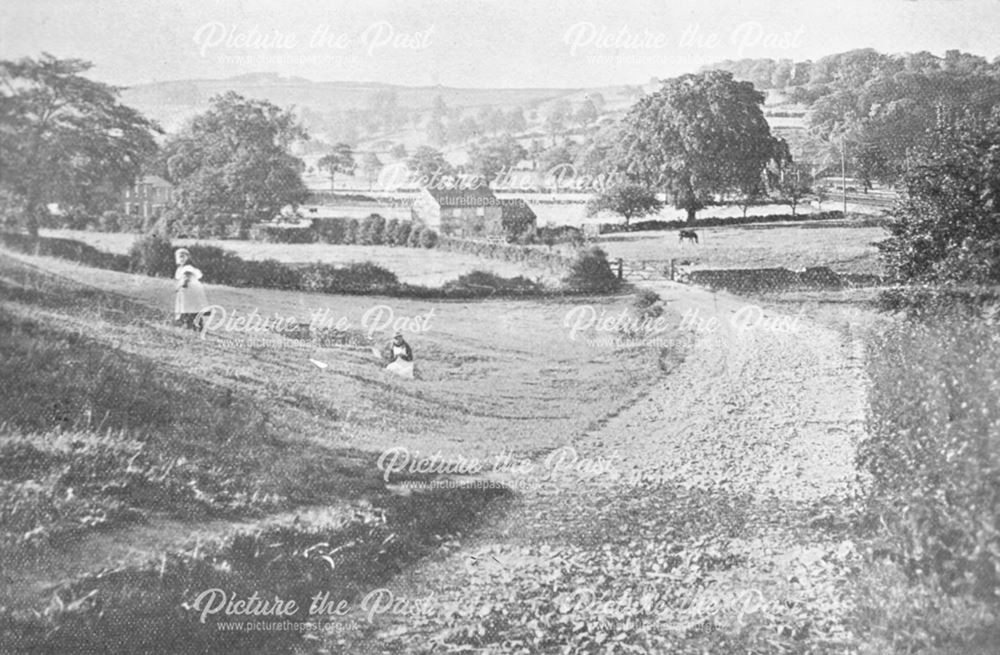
<point x="690" y="235"/>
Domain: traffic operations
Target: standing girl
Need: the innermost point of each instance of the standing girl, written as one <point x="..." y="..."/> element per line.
<point x="191" y="301"/>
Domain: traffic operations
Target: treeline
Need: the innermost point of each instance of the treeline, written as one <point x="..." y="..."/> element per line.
<point x="875" y="108"/>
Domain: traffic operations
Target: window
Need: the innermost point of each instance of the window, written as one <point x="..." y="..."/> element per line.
<point x="457" y="212"/>
<point x="480" y="211"/>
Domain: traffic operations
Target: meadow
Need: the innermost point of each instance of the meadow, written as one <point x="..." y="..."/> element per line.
<point x="429" y="267"/>
<point x="844" y="247"/>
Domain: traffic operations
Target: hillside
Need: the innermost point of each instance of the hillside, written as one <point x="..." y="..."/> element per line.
<point x="173" y="101"/>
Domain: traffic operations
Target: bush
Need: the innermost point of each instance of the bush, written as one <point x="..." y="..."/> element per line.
<point x="933" y="449"/>
<point x="483" y="283"/>
<point x="392" y="232"/>
<point x="428" y="238"/>
<point x="221" y="266"/>
<point x="354" y="278"/>
<point x="330" y="230"/>
<point x="152" y="255"/>
<point x="65" y="249"/>
<point x="372" y="231"/>
<point x="351" y="235"/>
<point x="591" y="273"/>
<point x="413" y="240"/>
<point x="403" y="233"/>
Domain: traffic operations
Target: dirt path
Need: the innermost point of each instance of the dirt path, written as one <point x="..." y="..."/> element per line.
<point x="701" y="519"/>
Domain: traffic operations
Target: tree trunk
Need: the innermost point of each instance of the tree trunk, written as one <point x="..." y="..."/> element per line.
<point x="691" y="211"/>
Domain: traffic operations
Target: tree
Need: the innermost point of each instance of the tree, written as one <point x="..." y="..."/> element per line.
<point x="436" y="133"/>
<point x="627" y="200"/>
<point x="371" y="165"/>
<point x="490" y="157"/>
<point x="947" y="226"/>
<point x="429" y="164"/>
<point x="586" y="114"/>
<point x="232" y="166"/>
<point x="439" y="110"/>
<point x="339" y="160"/>
<point x="398" y="151"/>
<point x="697" y="136"/>
<point x="65" y="138"/>
<point x="557" y="117"/>
<point x="794" y="184"/>
<point x="514" y="121"/>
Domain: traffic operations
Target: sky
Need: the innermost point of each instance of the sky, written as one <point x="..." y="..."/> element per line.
<point x="475" y="43"/>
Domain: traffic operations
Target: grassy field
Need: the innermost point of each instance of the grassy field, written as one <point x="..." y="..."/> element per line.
<point x="429" y="267"/>
<point x="125" y="437"/>
<point x="844" y="248"/>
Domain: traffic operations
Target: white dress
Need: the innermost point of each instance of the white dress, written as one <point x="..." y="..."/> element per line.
<point x="190" y="299"/>
<point x="400" y="366"/>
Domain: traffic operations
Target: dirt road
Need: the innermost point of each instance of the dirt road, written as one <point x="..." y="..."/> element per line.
<point x="703" y="518"/>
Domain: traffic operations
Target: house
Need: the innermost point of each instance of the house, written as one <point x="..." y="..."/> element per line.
<point x="469" y="212"/>
<point x="149" y="195"/>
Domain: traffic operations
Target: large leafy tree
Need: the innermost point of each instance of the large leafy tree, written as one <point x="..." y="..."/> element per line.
<point x="65" y="138"/>
<point x="487" y="158"/>
<point x="429" y="164"/>
<point x="627" y="200"/>
<point x="338" y="160"/>
<point x="699" y="135"/>
<point x="947" y="226"/>
<point x="232" y="164"/>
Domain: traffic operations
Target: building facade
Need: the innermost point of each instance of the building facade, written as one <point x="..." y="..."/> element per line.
<point x="469" y="213"/>
<point x="148" y="196"/>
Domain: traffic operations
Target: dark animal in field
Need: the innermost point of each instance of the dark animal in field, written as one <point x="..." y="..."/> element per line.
<point x="690" y="235"/>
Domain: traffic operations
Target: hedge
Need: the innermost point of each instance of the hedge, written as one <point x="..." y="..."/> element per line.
<point x="508" y="253"/>
<point x="716" y="221"/>
<point x="70" y="249"/>
<point x="154" y="255"/>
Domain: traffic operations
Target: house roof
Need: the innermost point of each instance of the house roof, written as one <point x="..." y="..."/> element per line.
<point x="517" y="209"/>
<point x="155" y="180"/>
<point x="462" y="197"/>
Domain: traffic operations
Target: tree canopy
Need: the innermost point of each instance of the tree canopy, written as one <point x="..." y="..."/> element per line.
<point x="627" y="200"/>
<point x="232" y="167"/>
<point x="489" y="157"/>
<point x="338" y="160"/>
<point x="947" y="226"/>
<point x="66" y="138"/>
<point x="698" y="136"/>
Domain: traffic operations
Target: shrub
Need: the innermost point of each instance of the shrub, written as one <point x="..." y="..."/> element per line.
<point x="483" y="283"/>
<point x="392" y="232"/>
<point x="152" y="255"/>
<point x="353" y="278"/>
<point x="591" y="273"/>
<point x="933" y="448"/>
<point x="403" y="233"/>
<point x="111" y="221"/>
<point x="65" y="249"/>
<point x="330" y="230"/>
<point x="413" y="240"/>
<point x="428" y="238"/>
<point x="221" y="266"/>
<point x="351" y="235"/>
<point x="372" y="231"/>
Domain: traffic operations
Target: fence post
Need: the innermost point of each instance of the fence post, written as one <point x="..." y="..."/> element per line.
<point x="671" y="269"/>
<point x="619" y="268"/>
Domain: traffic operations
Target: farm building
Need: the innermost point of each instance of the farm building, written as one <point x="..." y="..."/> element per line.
<point x="472" y="212"/>
<point x="149" y="194"/>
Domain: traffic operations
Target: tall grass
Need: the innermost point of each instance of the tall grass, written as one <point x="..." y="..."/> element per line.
<point x="933" y="455"/>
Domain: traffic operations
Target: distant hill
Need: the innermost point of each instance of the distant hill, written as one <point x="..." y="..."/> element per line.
<point x="172" y="102"/>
